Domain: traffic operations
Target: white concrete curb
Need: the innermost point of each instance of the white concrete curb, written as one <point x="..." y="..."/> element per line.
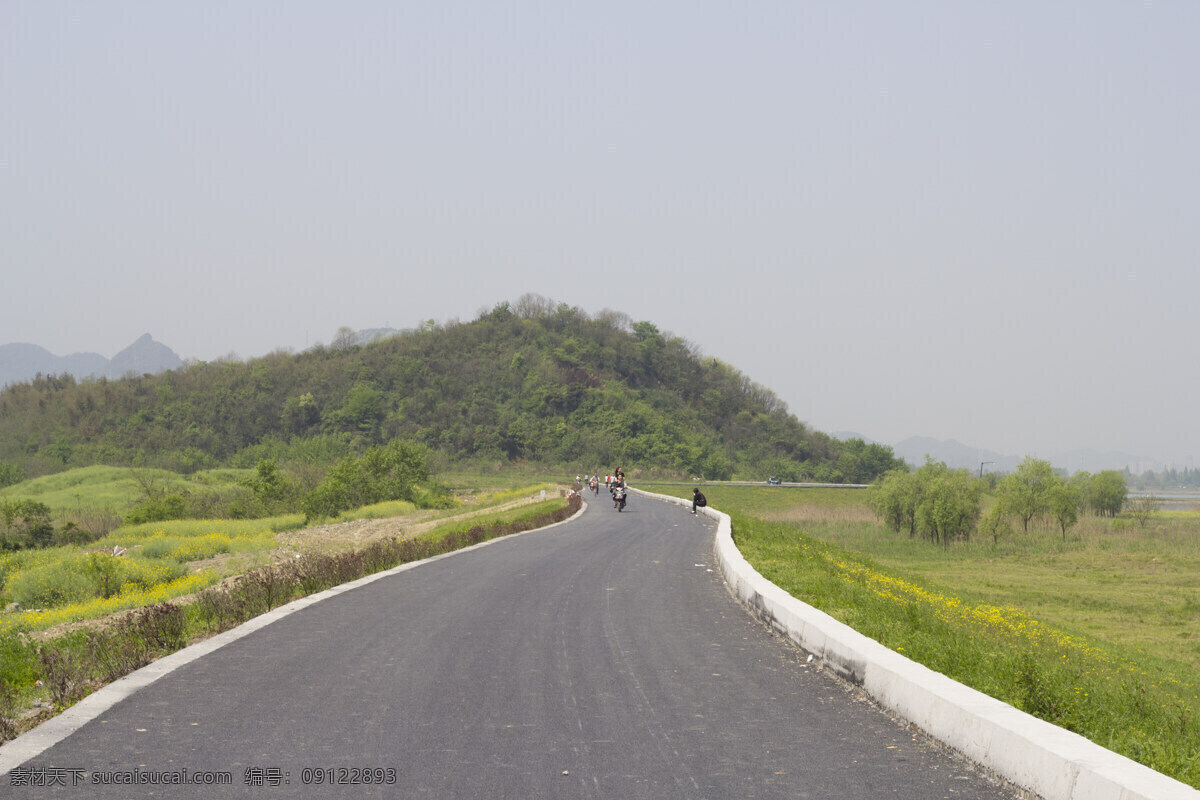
<point x="34" y="742"/>
<point x="1032" y="754"/>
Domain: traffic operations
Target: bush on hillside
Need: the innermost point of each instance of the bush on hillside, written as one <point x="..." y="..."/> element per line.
<point x="382" y="473"/>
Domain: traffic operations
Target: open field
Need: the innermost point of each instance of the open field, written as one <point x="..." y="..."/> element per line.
<point x="1097" y="634"/>
<point x="1137" y="588"/>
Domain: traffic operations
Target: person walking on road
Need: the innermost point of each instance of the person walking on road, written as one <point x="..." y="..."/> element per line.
<point x="698" y="500"/>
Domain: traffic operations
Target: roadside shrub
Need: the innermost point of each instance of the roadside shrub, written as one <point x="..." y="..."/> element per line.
<point x="161" y="627"/>
<point x="63" y="665"/>
<point x="268" y="587"/>
<point x="114" y="657"/>
<point x="10" y="711"/>
<point x="217" y="609"/>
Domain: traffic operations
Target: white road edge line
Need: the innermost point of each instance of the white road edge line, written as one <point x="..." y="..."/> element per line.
<point x="34" y="742"/>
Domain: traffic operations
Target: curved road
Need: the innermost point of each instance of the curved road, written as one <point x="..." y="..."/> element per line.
<point x="603" y="658"/>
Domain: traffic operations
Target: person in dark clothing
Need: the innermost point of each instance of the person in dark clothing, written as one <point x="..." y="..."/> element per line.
<point x="698" y="500"/>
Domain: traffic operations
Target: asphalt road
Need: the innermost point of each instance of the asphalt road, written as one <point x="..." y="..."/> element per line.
<point x="599" y="659"/>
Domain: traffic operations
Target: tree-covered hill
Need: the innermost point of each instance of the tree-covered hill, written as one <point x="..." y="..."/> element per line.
<point x="530" y="381"/>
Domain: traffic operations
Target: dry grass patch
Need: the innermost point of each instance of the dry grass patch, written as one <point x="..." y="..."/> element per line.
<point x="814" y="513"/>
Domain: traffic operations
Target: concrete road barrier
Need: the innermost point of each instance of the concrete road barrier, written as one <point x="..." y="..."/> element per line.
<point x="1042" y="758"/>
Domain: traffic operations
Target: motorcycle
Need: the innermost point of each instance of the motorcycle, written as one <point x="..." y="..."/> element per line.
<point x="619" y="499"/>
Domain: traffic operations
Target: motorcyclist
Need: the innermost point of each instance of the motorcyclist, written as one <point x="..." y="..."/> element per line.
<point x="619" y="497"/>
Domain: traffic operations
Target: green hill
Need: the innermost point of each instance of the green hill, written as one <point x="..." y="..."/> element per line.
<point x="528" y="382"/>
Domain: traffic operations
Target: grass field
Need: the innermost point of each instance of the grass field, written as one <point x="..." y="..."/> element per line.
<point x="116" y="488"/>
<point x="1097" y="633"/>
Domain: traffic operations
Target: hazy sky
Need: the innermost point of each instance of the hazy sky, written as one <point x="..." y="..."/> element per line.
<point x="970" y="220"/>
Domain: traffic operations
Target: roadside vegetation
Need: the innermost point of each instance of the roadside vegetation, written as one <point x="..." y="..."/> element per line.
<point x="1095" y="631"/>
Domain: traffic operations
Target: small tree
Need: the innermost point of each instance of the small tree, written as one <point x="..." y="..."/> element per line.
<point x="105" y="572"/>
<point x="1108" y="493"/>
<point x="1025" y="493"/>
<point x="935" y="501"/>
<point x="949" y="505"/>
<point x="995" y="525"/>
<point x="1143" y="508"/>
<point x="1063" y="504"/>
<point x="894" y="498"/>
<point x="1081" y="482"/>
<point x="271" y="487"/>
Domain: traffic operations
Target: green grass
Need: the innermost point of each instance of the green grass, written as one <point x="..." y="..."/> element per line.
<point x="388" y="508"/>
<point x="1097" y="634"/>
<point x="116" y="488"/>
<point x="58" y="582"/>
<point x="510" y="517"/>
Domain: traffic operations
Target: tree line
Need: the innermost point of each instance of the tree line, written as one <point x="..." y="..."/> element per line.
<point x="1167" y="478"/>
<point x="942" y="504"/>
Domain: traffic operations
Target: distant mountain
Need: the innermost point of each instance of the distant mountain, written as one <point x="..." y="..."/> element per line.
<point x="144" y="355"/>
<point x="21" y="362"/>
<point x="956" y="454"/>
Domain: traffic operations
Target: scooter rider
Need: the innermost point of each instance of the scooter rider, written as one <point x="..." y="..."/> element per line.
<point x="619" y="497"/>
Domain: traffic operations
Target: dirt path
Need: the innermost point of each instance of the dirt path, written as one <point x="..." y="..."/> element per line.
<point x="355" y="534"/>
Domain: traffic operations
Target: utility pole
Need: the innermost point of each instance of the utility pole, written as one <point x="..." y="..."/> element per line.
<point x="981" y="463"/>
